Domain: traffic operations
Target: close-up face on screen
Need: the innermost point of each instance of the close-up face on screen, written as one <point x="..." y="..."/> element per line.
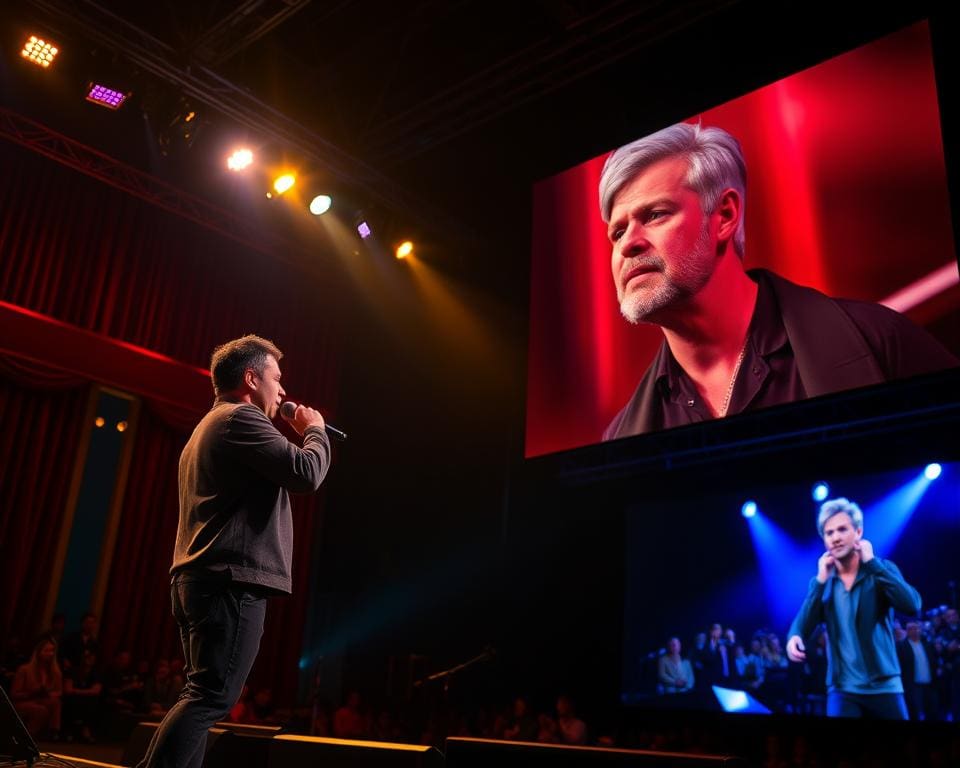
<point x="792" y="243"/>
<point x="785" y="598"/>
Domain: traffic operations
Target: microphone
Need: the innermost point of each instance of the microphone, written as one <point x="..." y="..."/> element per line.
<point x="288" y="408"/>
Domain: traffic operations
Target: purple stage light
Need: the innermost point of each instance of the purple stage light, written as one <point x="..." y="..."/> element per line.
<point x="364" y="230"/>
<point x="105" y="97"/>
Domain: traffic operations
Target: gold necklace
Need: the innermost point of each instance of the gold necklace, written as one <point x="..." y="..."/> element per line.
<point x="733" y="379"/>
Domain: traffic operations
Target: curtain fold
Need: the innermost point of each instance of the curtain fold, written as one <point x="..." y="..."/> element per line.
<point x="40" y="431"/>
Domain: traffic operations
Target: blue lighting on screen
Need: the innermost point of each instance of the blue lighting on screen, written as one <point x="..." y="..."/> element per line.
<point x="886" y="519"/>
<point x="932" y="471"/>
<point x="820" y="492"/>
<point x="786" y="567"/>
<point x="749" y="509"/>
<point x="733" y="700"/>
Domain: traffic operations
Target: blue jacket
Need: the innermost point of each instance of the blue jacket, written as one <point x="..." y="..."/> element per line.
<point x="882" y="590"/>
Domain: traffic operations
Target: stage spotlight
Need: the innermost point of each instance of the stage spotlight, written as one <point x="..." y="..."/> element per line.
<point x="181" y="130"/>
<point x="39" y="51"/>
<point x="240" y="159"/>
<point x="749" y="509"/>
<point x="932" y="471"/>
<point x="320" y="204"/>
<point x="363" y="229"/>
<point x="404" y="249"/>
<point x="283" y="183"/>
<point x="820" y="491"/>
<point x="105" y="97"/>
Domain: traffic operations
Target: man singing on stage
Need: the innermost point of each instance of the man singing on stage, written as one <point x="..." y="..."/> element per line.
<point x="235" y="537"/>
<point x="855" y="593"/>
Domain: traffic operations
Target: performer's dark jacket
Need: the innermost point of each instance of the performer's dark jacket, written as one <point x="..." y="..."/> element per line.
<point x="882" y="590"/>
<point x="235" y="474"/>
<point x="837" y="344"/>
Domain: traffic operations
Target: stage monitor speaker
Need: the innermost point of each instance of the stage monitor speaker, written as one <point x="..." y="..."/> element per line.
<point x="16" y="742"/>
<point x="480" y="753"/>
<point x="288" y="749"/>
<point x="229" y="745"/>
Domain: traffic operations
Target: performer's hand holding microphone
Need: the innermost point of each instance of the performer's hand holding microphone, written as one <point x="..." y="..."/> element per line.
<point x="300" y="417"/>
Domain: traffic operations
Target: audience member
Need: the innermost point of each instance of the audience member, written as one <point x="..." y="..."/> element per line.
<point x="81" y="698"/>
<point x="675" y="674"/>
<point x="348" y="720"/>
<point x="37" y="690"/>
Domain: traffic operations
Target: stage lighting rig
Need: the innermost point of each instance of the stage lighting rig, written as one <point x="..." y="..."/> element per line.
<point x="182" y="129"/>
<point x="40" y="51"/>
<point x="103" y="96"/>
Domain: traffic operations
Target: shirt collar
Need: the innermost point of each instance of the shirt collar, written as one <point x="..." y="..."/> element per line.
<point x="765" y="334"/>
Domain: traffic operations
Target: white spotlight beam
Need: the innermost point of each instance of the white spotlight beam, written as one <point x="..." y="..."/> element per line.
<point x="924" y="289"/>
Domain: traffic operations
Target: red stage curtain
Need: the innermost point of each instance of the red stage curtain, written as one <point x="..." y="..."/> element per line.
<point x="39" y="434"/>
<point x="87" y="254"/>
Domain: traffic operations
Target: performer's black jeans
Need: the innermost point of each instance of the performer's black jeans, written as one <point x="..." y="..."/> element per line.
<point x="220" y="626"/>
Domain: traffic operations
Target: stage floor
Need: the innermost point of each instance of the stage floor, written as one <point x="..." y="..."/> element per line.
<point x="102" y="752"/>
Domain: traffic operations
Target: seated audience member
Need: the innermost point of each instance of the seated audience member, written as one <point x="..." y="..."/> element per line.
<point x="124" y="689"/>
<point x="386" y="727"/>
<point x="547" y="729"/>
<point x="572" y="729"/>
<point x="160" y="692"/>
<point x="753" y="674"/>
<point x="773" y="655"/>
<point x="37" y="689"/>
<point x="81" y="698"/>
<point x="521" y="725"/>
<point x="674" y="673"/>
<point x="348" y="720"/>
<point x="74" y="644"/>
<point x="262" y="710"/>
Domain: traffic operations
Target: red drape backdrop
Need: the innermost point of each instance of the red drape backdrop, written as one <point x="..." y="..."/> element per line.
<point x="40" y="427"/>
<point x="92" y="256"/>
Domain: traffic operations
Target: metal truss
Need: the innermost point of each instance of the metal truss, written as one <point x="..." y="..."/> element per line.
<point x="42" y="140"/>
<point x="242" y="27"/>
<point x="196" y="81"/>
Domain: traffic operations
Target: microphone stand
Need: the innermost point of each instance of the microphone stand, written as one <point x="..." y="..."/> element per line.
<point x="446" y="674"/>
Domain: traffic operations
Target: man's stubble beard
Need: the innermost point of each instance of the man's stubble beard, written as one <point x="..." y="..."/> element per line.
<point x="690" y="276"/>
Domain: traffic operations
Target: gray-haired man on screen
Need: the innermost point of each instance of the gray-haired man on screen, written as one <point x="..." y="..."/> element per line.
<point x="734" y="340"/>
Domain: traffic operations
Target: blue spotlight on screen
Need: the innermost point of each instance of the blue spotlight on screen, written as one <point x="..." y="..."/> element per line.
<point x="749" y="509"/>
<point x="733" y="700"/>
<point x="932" y="471"/>
<point x="820" y="491"/>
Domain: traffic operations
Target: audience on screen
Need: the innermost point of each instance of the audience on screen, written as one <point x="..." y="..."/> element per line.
<point x="929" y="653"/>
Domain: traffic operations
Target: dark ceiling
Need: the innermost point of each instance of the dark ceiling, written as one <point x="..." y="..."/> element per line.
<point x="385" y="81"/>
<point x="367" y="93"/>
<point x="436" y="114"/>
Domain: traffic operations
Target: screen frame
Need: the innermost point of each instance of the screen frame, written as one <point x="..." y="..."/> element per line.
<point x="866" y="403"/>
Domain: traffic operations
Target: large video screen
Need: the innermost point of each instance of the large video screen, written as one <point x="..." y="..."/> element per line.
<point x="719" y="589"/>
<point x="845" y="208"/>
